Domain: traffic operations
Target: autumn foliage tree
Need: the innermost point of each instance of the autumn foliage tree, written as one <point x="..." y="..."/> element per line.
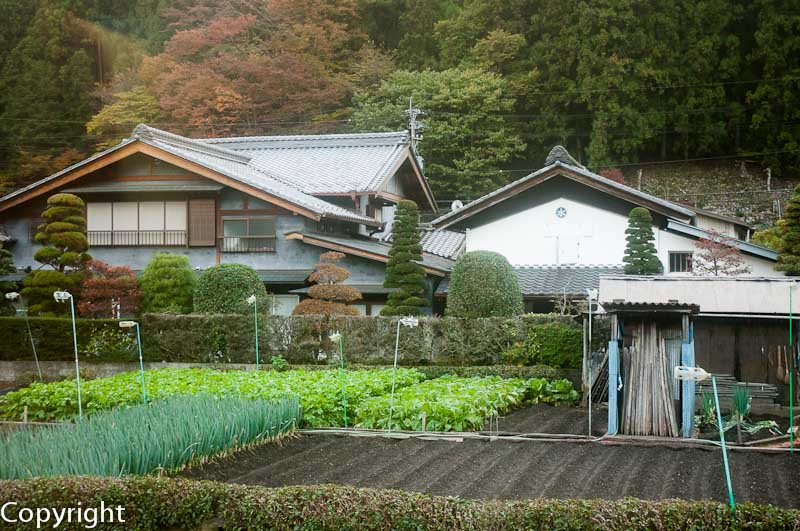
<point x="108" y="291"/>
<point x="63" y="237"/>
<point x="328" y="296"/>
<point x="718" y="256"/>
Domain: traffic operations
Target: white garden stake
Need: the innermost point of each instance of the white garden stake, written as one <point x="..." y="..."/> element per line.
<point x="12" y="296"/>
<point x="64" y="296"/>
<point x="410" y="322"/>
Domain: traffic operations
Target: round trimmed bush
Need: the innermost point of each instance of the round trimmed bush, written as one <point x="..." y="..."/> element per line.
<point x="483" y="284"/>
<point x="225" y="288"/>
<point x="167" y="284"/>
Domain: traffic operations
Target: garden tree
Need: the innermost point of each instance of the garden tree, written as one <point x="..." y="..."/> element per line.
<point x="769" y="237"/>
<point x="224" y="288"/>
<point x="115" y="121"/>
<point x="718" y="256"/>
<point x="246" y="63"/>
<point x="789" y="232"/>
<point x="167" y="284"/>
<point x="108" y="291"/>
<point x="640" y="252"/>
<point x="46" y="88"/>
<point x="328" y="296"/>
<point x="467" y="138"/>
<point x="6" y="286"/>
<point x="64" y="246"/>
<point x="403" y="270"/>
<point x="483" y="284"/>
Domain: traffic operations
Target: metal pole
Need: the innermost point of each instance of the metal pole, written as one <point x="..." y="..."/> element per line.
<point x="790" y="368"/>
<point x="141" y="363"/>
<point x="255" y="318"/>
<point x="589" y="356"/>
<point x="394" y="373"/>
<point x="341" y="371"/>
<point x="75" y="344"/>
<point x="33" y="345"/>
<point x="724" y="448"/>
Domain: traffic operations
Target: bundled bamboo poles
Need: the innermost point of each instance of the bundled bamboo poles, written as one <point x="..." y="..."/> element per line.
<point x="648" y="408"/>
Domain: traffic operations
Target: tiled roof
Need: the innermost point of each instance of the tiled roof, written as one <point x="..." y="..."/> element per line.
<point x="555" y="280"/>
<point x="560" y="158"/>
<point x="324" y="164"/>
<point x="284" y="276"/>
<point x="445" y="243"/>
<point x="239" y="166"/>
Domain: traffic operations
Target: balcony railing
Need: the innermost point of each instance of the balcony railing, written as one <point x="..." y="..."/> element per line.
<point x="136" y="238"/>
<point x="247" y="244"/>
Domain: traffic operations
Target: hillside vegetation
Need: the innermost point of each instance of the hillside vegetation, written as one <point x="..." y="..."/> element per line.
<point x="499" y="82"/>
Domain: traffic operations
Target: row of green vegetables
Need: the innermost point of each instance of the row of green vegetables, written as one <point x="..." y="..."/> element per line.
<point x="327" y="398"/>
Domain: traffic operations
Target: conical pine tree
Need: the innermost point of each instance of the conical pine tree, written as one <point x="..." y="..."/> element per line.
<point x="640" y="252"/>
<point x="789" y="232"/>
<point x="403" y="271"/>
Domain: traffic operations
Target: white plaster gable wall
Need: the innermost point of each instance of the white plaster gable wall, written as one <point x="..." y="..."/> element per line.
<point x="586" y="235"/>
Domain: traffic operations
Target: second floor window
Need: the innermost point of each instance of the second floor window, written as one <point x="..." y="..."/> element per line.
<point x="136" y="223"/>
<point x="680" y="262"/>
<point x="247" y="235"/>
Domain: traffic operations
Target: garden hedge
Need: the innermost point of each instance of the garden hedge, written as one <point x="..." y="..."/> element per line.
<point x="164" y="503"/>
<point x="298" y="339"/>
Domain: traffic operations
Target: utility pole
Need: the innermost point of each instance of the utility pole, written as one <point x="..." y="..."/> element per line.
<point x="415" y="127"/>
<point x="769" y="179"/>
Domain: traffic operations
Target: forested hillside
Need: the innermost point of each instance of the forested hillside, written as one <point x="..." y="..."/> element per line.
<point x="500" y="82"/>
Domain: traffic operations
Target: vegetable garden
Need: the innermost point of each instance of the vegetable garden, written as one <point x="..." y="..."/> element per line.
<point x="450" y="403"/>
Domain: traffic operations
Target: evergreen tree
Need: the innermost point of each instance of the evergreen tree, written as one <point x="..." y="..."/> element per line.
<point x="640" y="252"/>
<point x="789" y="229"/>
<point x="168" y="284"/>
<point x="63" y="236"/>
<point x="403" y="271"/>
<point x="328" y="296"/>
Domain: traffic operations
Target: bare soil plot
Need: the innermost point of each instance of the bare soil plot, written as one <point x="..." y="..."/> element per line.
<point x="513" y="470"/>
<point x="544" y="418"/>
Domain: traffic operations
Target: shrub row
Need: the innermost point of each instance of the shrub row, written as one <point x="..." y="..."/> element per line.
<point x="299" y="339"/>
<point x="163" y="503"/>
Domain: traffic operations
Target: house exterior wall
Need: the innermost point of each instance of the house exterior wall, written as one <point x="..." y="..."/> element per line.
<point x="585" y="235"/>
<point x="723" y="227"/>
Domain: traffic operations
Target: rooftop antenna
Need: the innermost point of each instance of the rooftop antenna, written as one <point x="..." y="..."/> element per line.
<point x="415" y="127"/>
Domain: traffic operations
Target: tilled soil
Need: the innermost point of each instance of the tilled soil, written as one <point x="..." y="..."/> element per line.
<point x="513" y="470"/>
<point x="544" y="418"/>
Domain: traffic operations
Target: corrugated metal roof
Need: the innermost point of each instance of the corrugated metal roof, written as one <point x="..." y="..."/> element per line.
<point x="324" y="164"/>
<point x="377" y="247"/>
<point x="366" y="289"/>
<point x="555" y="280"/>
<point x="284" y="276"/>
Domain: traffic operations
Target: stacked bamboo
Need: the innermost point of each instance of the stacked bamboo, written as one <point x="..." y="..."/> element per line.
<point x="648" y="402"/>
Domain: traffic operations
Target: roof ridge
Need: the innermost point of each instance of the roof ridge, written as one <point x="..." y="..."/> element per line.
<point x="145" y="132"/>
<point x="292" y="138"/>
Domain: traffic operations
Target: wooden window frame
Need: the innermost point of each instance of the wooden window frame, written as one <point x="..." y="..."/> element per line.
<point x="677" y="260"/>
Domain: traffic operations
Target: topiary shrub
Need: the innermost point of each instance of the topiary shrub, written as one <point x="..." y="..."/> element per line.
<point x="329" y="296"/>
<point x="224" y="288"/>
<point x="556" y="344"/>
<point x="403" y="270"/>
<point x="483" y="284"/>
<point x="168" y="284"/>
<point x="640" y="251"/>
<point x="64" y="246"/>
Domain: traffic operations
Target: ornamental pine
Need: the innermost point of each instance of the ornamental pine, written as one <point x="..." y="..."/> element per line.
<point x="789" y="231"/>
<point x="403" y="271"/>
<point x="640" y="252"/>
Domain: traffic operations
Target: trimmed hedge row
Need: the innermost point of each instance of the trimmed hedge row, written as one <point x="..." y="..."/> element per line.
<point x="299" y="339"/>
<point x="164" y="503"/>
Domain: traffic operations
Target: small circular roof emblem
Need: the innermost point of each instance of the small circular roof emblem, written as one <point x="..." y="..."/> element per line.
<point x="561" y="212"/>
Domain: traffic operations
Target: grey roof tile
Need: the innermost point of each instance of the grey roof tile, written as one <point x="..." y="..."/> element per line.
<point x="445" y="243"/>
<point x="555" y="280"/>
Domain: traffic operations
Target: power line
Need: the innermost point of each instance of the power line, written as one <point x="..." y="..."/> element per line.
<point x="668" y="87"/>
